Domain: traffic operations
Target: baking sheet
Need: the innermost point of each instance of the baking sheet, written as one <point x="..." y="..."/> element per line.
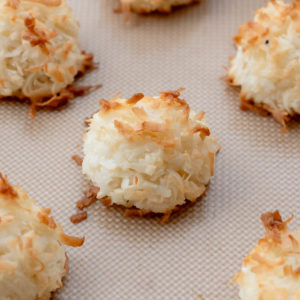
<point x="198" y="252"/>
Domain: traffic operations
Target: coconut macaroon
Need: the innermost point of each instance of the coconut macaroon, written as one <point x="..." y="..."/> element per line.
<point x="272" y="270"/>
<point x="148" y="6"/>
<point x="39" y="53"/>
<point x="267" y="66"/>
<point x="33" y="260"/>
<point x="149" y="153"/>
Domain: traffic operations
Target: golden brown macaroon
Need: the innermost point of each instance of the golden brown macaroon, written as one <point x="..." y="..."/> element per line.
<point x="272" y="269"/>
<point x="33" y="260"/>
<point x="267" y="65"/>
<point x="149" y="153"/>
<point x="40" y="55"/>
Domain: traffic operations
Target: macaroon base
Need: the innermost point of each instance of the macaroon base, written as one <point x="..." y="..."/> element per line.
<point x="53" y="102"/>
<point x="126" y="8"/>
<point x="90" y="196"/>
<point x="264" y="110"/>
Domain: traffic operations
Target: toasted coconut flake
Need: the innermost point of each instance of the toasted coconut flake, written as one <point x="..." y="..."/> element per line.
<point x="202" y="129"/>
<point x="131" y="212"/>
<point x="108" y="105"/>
<point x="38" y="68"/>
<point x="173" y="94"/>
<point x="274" y="225"/>
<point x="211" y="162"/>
<point x="173" y="97"/>
<point x="6" y="188"/>
<point x="106" y="201"/>
<point x="92" y="191"/>
<point x="71" y="240"/>
<point x="79" y="217"/>
<point x="153" y="126"/>
<point x="135" y="98"/>
<point x="35" y="36"/>
<point x="124" y="129"/>
<point x="45" y="219"/>
<point x="90" y="196"/>
<point x="77" y="159"/>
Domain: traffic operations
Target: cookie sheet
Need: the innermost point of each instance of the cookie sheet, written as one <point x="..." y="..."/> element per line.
<point x="196" y="255"/>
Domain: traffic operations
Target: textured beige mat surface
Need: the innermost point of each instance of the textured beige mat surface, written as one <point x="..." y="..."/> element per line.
<point x="257" y="169"/>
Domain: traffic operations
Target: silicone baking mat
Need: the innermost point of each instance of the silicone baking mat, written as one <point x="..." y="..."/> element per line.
<point x="196" y="255"/>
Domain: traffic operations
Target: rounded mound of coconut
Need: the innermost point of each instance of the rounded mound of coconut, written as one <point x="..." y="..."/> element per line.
<point x="148" y="6"/>
<point x="32" y="256"/>
<point x="40" y="56"/>
<point x="266" y="65"/>
<point x="271" y="270"/>
<point x="149" y="153"/>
